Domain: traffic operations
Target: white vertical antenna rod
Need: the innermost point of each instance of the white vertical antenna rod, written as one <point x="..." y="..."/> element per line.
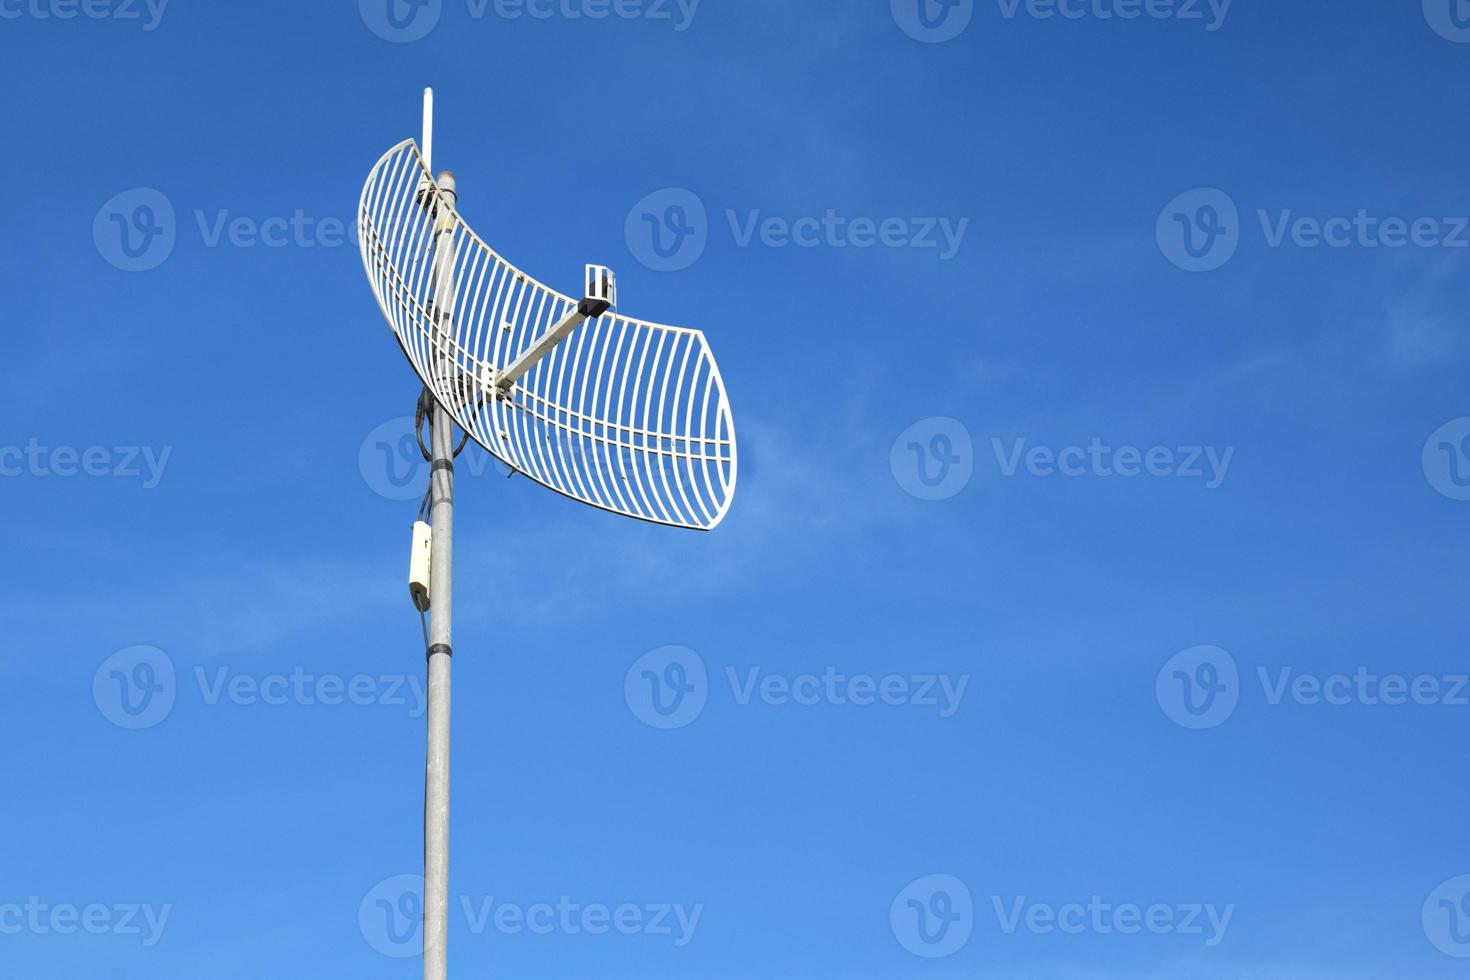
<point x="429" y="130"/>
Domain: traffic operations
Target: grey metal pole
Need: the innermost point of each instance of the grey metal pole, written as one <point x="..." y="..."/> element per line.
<point x="441" y="638"/>
<point x="441" y="659"/>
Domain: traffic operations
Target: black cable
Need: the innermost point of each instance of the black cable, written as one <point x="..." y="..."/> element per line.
<point x="421" y="414"/>
<point x="479" y="404"/>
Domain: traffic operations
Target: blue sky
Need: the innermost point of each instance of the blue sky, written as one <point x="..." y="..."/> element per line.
<point x="1092" y="604"/>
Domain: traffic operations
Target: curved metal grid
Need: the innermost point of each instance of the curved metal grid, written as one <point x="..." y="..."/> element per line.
<point x="625" y="415"/>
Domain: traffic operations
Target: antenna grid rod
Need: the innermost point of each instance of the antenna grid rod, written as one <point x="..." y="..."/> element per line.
<point x="428" y="146"/>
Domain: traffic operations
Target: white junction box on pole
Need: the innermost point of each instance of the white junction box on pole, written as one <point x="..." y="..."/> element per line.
<point x="419" y="565"/>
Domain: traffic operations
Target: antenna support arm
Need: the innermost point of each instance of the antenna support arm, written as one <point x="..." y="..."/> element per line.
<point x="601" y="296"/>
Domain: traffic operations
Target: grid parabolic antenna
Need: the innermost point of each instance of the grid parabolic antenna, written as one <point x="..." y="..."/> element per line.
<point x="622" y="414"/>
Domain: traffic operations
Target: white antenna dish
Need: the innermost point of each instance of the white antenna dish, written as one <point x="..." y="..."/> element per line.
<point x="619" y="413"/>
<point x="622" y="414"/>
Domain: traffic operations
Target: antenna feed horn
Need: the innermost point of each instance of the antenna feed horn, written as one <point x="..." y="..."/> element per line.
<point x="602" y="292"/>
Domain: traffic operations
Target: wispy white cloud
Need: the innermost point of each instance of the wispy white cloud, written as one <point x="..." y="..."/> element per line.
<point x="239" y="613"/>
<point x="1427" y="321"/>
<point x="273" y="604"/>
<point x="803" y="484"/>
